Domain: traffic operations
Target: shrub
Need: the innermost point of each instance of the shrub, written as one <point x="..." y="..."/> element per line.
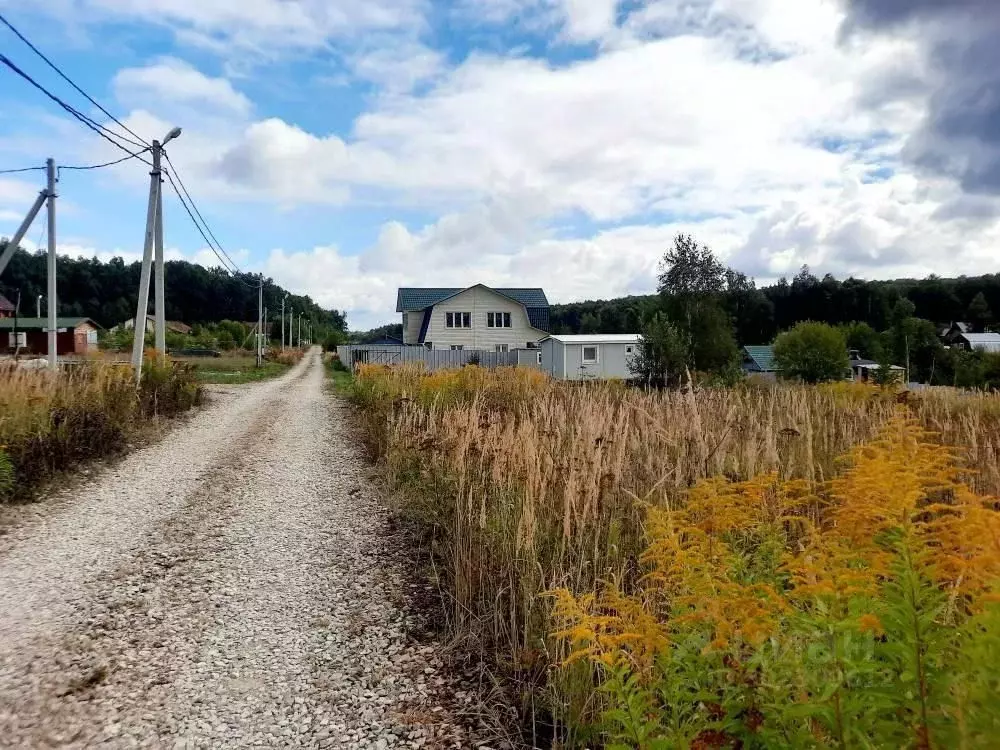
<point x="812" y="352"/>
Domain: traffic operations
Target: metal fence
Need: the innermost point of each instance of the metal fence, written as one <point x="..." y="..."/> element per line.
<point x="433" y="359"/>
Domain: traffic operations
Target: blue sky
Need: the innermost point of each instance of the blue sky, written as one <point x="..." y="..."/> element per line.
<point x="348" y="148"/>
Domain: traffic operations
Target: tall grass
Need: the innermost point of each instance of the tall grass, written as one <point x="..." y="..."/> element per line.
<point x="49" y="421"/>
<point x="525" y="486"/>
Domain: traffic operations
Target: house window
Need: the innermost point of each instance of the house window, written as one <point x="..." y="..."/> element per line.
<point x="457" y="347"/>
<point x="458" y="320"/>
<point x="590" y="355"/>
<point x="503" y="347"/>
<point x="628" y="349"/>
<point x="498" y="320"/>
<point x="539" y="355"/>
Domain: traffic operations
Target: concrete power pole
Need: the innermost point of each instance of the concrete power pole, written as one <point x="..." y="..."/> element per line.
<point x="260" y="317"/>
<point x="158" y="292"/>
<point x="291" y="322"/>
<point x="50" y="166"/>
<point x="142" y="308"/>
<point x="283" y="322"/>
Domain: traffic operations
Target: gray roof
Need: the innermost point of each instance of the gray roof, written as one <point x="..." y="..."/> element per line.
<point x="5" y="304"/>
<point x="762" y="357"/>
<point x="26" y="324"/>
<point x="418" y="298"/>
<point x="410" y="299"/>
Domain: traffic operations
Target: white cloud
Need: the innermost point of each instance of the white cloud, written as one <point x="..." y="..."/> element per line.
<point x="262" y="27"/>
<point x="176" y="82"/>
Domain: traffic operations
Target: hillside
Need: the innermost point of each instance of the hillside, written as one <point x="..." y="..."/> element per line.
<point x="108" y="292"/>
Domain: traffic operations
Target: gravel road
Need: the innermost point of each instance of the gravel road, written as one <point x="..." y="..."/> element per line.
<point x="229" y="586"/>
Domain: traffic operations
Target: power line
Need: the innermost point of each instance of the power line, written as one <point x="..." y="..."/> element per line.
<point x="219" y="253"/>
<point x="142" y="141"/>
<point x="24" y="169"/>
<point x="195" y="207"/>
<point x="96" y="127"/>
<point x="107" y="163"/>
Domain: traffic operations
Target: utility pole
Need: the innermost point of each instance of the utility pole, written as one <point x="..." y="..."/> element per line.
<point x="267" y="333"/>
<point x="15" y="241"/>
<point x="38" y="306"/>
<point x="158" y="291"/>
<point x="154" y="236"/>
<point x="260" y="315"/>
<point x="291" y="322"/>
<point x="283" y="322"/>
<point x="50" y="166"/>
<point x="300" y="330"/>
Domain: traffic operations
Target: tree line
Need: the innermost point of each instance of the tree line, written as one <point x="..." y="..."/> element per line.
<point x="108" y="293"/>
<point x="704" y="311"/>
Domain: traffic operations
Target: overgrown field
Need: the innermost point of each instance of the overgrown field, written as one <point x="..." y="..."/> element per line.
<point x="780" y="566"/>
<point x="49" y="421"/>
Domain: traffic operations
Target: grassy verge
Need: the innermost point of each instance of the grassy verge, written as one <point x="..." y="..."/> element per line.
<point x="241" y="368"/>
<point x="51" y="421"/>
<point x="782" y="566"/>
<point x="340" y="376"/>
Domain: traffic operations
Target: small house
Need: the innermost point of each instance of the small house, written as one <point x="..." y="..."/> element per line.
<point x="759" y="360"/>
<point x="73" y="335"/>
<point x="864" y="370"/>
<point x="949" y="334"/>
<point x="174" y="326"/>
<point x="591" y="356"/>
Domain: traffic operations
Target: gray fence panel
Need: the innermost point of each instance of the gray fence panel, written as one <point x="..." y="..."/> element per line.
<point x="433" y="359"/>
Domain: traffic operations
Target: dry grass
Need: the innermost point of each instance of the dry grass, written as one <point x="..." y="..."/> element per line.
<point x="48" y="420"/>
<point x="526" y="486"/>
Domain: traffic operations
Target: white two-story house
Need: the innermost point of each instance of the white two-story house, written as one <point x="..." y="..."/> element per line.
<point x="478" y="317"/>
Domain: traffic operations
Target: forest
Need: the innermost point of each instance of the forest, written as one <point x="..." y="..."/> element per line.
<point x="759" y="314"/>
<point x="108" y="292"/>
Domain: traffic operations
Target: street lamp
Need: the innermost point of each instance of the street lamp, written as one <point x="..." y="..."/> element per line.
<point x="38" y="306"/>
<point x="170" y="136"/>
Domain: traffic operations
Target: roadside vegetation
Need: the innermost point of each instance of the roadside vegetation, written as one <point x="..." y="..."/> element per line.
<point x="749" y="566"/>
<point x="241" y="367"/>
<point x="51" y="421"/>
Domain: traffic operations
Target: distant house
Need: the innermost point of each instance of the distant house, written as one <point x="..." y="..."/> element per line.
<point x="949" y="334"/>
<point x="591" y="356"/>
<point x="984" y="342"/>
<point x="73" y="335"/>
<point x="174" y="326"/>
<point x="6" y="307"/>
<point x="478" y="317"/>
<point x="863" y="370"/>
<point x="759" y="360"/>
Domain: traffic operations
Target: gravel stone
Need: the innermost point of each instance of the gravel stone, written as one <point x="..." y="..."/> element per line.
<point x="232" y="585"/>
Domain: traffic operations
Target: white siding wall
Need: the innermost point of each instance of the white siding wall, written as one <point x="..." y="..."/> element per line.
<point x="479" y="301"/>
<point x="411" y="328"/>
<point x="612" y="361"/>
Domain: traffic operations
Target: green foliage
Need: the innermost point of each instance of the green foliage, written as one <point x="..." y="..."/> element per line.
<point x="108" y="292"/>
<point x="812" y="352"/>
<point x="979" y="313"/>
<point x="865" y="339"/>
<point x="661" y="354"/>
<point x="6" y="474"/>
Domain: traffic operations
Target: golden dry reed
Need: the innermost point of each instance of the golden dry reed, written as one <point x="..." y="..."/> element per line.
<point x="50" y="420"/>
<point x="633" y="561"/>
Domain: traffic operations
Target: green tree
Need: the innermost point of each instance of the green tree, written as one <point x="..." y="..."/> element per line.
<point x="712" y="346"/>
<point x="661" y="353"/>
<point x="979" y="313"/>
<point x="690" y="278"/>
<point x="813" y="352"/>
<point x="865" y="339"/>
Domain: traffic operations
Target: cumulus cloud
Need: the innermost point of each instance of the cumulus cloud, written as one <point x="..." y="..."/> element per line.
<point x="960" y="134"/>
<point x="178" y="83"/>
